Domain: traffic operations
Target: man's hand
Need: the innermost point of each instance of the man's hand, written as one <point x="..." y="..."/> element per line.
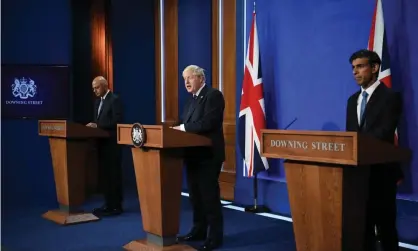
<point x="176" y="128"/>
<point x="92" y="125"/>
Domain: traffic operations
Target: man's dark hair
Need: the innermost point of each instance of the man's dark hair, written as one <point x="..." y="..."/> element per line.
<point x="370" y="55"/>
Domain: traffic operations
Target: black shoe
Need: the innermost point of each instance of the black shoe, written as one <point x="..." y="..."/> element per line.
<point x="107" y="211"/>
<point x="192" y="236"/>
<point x="210" y="245"/>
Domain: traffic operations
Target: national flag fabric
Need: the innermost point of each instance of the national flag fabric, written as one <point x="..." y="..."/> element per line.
<point x="378" y="43"/>
<point x="252" y="117"/>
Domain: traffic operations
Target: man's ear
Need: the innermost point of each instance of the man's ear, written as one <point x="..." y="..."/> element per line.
<point x="375" y="68"/>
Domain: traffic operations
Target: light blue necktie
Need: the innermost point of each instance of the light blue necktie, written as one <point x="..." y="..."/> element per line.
<point x="100" y="107"/>
<point x="363" y="105"/>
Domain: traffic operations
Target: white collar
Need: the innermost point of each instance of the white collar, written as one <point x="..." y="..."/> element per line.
<point x="371" y="88"/>
<point x="198" y="91"/>
<point x="104" y="96"/>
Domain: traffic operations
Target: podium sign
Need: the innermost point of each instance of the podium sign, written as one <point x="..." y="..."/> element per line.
<point x="51" y="128"/>
<point x="311" y="146"/>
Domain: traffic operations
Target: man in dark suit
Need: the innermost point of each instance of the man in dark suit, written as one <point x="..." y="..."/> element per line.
<point x="203" y="114"/>
<point x="375" y="110"/>
<point x="107" y="114"/>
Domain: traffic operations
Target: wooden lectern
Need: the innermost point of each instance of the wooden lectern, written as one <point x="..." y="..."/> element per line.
<point x="70" y="146"/>
<point x="327" y="180"/>
<point x="158" y="169"/>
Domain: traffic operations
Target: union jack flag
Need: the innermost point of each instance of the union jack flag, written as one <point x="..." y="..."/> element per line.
<point x="252" y="117"/>
<point x="378" y="43"/>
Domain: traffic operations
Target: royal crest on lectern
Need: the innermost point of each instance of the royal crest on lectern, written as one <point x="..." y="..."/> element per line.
<point x="138" y="135"/>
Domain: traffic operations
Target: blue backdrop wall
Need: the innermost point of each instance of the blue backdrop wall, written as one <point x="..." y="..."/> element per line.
<point x="27" y="175"/>
<point x="26" y="163"/>
<point x="134" y="67"/>
<point x="305" y="46"/>
<point x="194" y="45"/>
<point x="195" y="40"/>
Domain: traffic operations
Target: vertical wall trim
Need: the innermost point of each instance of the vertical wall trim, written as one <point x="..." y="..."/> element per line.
<point x="166" y="65"/>
<point x="101" y="40"/>
<point x="224" y="67"/>
<point x="216" y="42"/>
<point x="162" y="61"/>
<point x="220" y="45"/>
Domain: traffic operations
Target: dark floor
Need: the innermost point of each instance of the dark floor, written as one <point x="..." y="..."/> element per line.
<point x="24" y="229"/>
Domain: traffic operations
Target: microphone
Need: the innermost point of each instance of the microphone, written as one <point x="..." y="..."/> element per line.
<point x="291" y="123"/>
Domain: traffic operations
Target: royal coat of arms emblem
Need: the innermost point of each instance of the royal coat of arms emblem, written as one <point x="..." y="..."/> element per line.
<point x="24" y="88"/>
<point x="138" y="135"/>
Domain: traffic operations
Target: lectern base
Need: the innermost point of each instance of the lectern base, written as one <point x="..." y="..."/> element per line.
<point x="65" y="218"/>
<point x="143" y="245"/>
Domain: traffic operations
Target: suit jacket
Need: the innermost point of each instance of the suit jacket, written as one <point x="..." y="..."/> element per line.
<point x="110" y="114"/>
<point x="204" y="116"/>
<point x="381" y="117"/>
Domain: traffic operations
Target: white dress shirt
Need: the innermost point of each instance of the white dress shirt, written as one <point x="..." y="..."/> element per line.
<point x="197" y="95"/>
<point x="104" y="96"/>
<point x="101" y="102"/>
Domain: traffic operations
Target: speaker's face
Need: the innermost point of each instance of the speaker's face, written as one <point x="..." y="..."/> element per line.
<point x="99" y="89"/>
<point x="364" y="73"/>
<point x="192" y="82"/>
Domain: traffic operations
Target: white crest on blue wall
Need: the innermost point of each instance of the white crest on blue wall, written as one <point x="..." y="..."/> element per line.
<point x="24" y="88"/>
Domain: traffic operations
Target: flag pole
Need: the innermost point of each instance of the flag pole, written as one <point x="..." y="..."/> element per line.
<point x="256" y="208"/>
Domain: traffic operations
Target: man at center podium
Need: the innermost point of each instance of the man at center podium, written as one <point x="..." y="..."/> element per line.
<point x="375" y="110"/>
<point x="107" y="114"/>
<point x="203" y="115"/>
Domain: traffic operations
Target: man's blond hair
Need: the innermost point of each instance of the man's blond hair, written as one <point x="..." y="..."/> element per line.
<point x="196" y="71"/>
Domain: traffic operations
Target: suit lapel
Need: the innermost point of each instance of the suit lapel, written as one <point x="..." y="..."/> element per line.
<point x="352" y="123"/>
<point x="372" y="107"/>
<point x="187" y="109"/>
<point x="96" y="108"/>
<point x="353" y="109"/>
<point x="195" y="103"/>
